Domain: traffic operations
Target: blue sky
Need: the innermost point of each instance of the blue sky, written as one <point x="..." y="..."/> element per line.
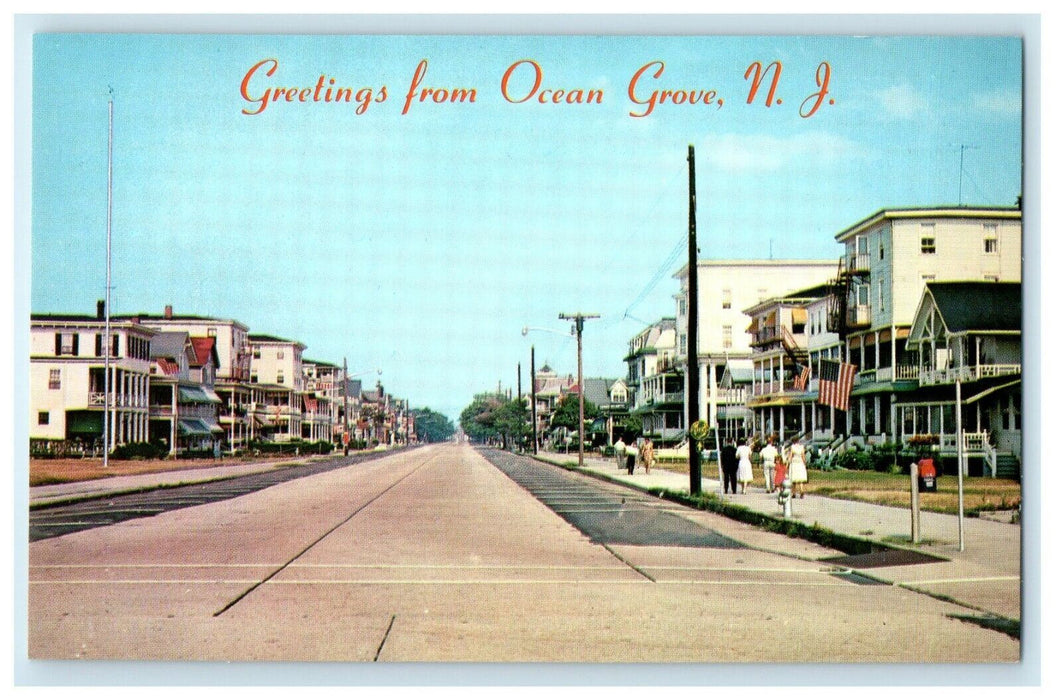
<point x="422" y="243"/>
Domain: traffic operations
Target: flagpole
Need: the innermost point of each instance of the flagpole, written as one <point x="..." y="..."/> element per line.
<point x="107" y="344"/>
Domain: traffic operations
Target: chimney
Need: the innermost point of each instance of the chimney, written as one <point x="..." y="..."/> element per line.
<point x="101" y="309"/>
<point x="169" y="312"/>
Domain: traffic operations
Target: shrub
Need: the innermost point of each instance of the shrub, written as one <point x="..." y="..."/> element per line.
<point x="138" y="450"/>
<point x="856" y="459"/>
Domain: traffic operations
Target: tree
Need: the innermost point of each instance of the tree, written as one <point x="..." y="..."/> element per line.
<point x="432" y="426"/>
<point x="566" y="414"/>
<point x="491" y="417"/>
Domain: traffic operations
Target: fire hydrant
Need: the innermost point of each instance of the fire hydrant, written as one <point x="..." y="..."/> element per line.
<point x="785" y="498"/>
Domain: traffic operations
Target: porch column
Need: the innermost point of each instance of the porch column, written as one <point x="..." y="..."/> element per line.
<point x="702" y="392"/>
<point x="713" y="394"/>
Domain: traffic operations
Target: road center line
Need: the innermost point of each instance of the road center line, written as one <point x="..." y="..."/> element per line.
<point x="323" y="536"/>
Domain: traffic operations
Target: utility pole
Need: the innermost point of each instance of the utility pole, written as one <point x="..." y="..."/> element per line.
<point x="579" y="318"/>
<point x="534" y="406"/>
<point x="519" y="386"/>
<point x="692" y="369"/>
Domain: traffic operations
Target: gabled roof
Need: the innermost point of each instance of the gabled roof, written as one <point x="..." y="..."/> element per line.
<point x="597" y="390"/>
<point x="169" y="345"/>
<point x="206" y="351"/>
<point x="978" y="306"/>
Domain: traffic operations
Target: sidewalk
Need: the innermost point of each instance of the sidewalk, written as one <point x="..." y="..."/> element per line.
<point x="117" y="485"/>
<point x="985" y="576"/>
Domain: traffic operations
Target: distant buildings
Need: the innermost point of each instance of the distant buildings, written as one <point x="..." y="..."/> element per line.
<point x="193" y="385"/>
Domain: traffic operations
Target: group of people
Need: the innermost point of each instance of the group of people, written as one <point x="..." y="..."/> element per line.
<point x="644" y="452"/>
<point x="736" y="463"/>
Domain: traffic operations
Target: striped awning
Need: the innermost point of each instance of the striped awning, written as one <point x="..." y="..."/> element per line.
<point x="194" y="427"/>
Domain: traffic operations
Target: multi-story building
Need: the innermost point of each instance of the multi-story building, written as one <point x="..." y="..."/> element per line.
<point x="724" y="289"/>
<point x="967" y="339"/>
<point x="549" y="388"/>
<point x="656" y="382"/>
<point x="780" y="400"/>
<point x="277" y="385"/>
<point x="234" y="366"/>
<point x="889" y="257"/>
<point x="182" y="408"/>
<point x="68" y="386"/>
<point x="611" y="397"/>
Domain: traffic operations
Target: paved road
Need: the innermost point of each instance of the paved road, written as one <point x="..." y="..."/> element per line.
<point x="436" y="554"/>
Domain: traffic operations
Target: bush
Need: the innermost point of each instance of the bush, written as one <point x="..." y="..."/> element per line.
<point x="139" y="450"/>
<point x="856" y="459"/>
<point x="885" y="457"/>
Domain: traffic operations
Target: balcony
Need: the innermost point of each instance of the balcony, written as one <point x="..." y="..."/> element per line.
<point x="859" y="263"/>
<point x="859" y="317"/>
<point x="732" y="396"/>
<point x="896" y="374"/>
<point x="767" y="334"/>
<point x="928" y="377"/>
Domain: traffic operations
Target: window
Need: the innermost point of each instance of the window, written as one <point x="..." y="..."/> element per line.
<point x="42" y="418"/>
<point x="991" y="245"/>
<point x="881" y="295"/>
<point x="65" y="344"/>
<point x="881" y="246"/>
<point x="727" y="298"/>
<point x="54" y="379"/>
<point x="280" y="354"/>
<point x="280" y="377"/>
<point x="991" y="278"/>
<point x="254" y="378"/>
<point x="681" y="307"/>
<point x="761" y="295"/>
<point x="863" y="295"/>
<point x="682" y="342"/>
<point x="728" y="337"/>
<point x="929" y="245"/>
<point x="928" y="278"/>
<point x="257" y="353"/>
<point x="212" y="332"/>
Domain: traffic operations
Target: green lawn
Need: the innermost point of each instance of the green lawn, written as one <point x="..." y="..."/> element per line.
<point x="979" y="493"/>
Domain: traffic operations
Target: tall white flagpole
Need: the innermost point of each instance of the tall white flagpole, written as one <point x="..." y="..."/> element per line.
<point x="107" y="344"/>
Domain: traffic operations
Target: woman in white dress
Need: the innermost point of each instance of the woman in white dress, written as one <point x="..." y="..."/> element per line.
<point x="798" y="468"/>
<point x="744" y="473"/>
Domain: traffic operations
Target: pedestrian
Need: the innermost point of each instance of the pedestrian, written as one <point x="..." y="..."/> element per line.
<point x="632" y="454"/>
<point x="797" y="466"/>
<point x="768" y="457"/>
<point x="744" y="472"/>
<point x="621" y="453"/>
<point x="648" y="456"/>
<point x="728" y="462"/>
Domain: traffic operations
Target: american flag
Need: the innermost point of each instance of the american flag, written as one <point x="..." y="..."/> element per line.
<point x="800" y="383"/>
<point x="835" y="383"/>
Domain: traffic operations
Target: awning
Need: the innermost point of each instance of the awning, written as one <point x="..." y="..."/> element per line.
<point x="193" y="427"/>
<point x="986" y="392"/>
<point x="212" y="426"/>
<point x="754" y="326"/>
<point x="197" y="394"/>
<point x="800" y="315"/>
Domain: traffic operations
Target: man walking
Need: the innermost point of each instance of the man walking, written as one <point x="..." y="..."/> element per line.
<point x="769" y="454"/>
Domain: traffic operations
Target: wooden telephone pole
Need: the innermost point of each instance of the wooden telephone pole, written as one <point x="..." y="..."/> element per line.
<point x="693" y="389"/>
<point x="579" y="318"/>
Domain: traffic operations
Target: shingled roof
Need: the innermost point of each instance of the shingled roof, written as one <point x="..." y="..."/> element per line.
<point x="978" y="306"/>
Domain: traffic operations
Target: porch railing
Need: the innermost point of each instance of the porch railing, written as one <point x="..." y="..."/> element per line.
<point x="966" y="373"/>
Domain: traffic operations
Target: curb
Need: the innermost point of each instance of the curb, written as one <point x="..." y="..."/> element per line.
<point x="817" y="534"/>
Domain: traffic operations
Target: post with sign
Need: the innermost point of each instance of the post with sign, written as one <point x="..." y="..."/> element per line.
<point x="699" y="432"/>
